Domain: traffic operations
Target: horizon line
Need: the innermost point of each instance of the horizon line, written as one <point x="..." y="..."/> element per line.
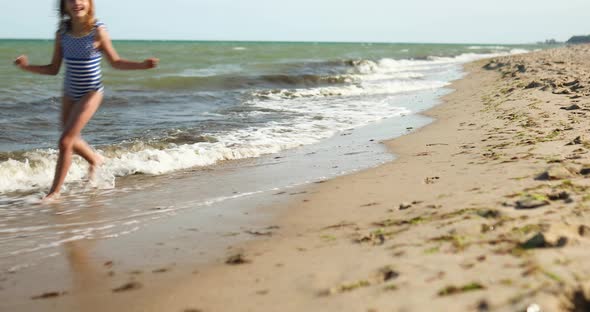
<point x="292" y="41"/>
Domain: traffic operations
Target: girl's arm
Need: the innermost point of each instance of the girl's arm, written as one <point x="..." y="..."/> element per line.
<point x="116" y="62"/>
<point x="51" y="69"/>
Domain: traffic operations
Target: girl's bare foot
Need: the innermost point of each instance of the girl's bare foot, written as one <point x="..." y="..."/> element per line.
<point x="50" y="197"/>
<point x="93" y="167"/>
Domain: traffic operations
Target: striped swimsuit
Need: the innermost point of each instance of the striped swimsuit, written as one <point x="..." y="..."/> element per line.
<point x="83" y="74"/>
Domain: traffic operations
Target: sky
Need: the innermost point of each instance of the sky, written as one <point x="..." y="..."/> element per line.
<point x="433" y="21"/>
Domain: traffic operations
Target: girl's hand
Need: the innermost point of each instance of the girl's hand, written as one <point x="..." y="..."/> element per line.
<point x="21" y="61"/>
<point x="151" y="63"/>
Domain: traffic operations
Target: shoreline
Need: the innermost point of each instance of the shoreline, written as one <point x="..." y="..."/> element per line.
<point x="291" y="223"/>
<point x="345" y="244"/>
<point x="168" y="245"/>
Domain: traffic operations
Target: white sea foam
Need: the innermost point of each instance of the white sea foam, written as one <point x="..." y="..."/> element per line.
<point x="487" y="48"/>
<point x="519" y="51"/>
<point x="317" y="124"/>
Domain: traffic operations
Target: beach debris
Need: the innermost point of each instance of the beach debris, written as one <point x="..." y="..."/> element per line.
<point x="539" y="240"/>
<point x="583" y="230"/>
<point x="237" y="259"/>
<point x="533" y="84"/>
<point x="530" y="228"/>
<point x="404" y="206"/>
<point x="532" y="201"/>
<point x="483" y="306"/>
<point x="533" y="308"/>
<point x="585" y="170"/>
<point x="431" y="180"/>
<point x="557" y="172"/>
<point x="391" y="287"/>
<point x="329" y="238"/>
<point x="370" y="204"/>
<point x="346" y="287"/>
<point x="262" y="292"/>
<point x="487" y="228"/>
<point x="385" y="274"/>
<point x="571" y="107"/>
<point x="259" y="233"/>
<point x="454" y="290"/>
<point x="339" y="225"/>
<point x="577" y="300"/>
<point x="576" y="141"/>
<point x="49" y="295"/>
<point x="375" y="238"/>
<point x="494" y="65"/>
<point x="488" y="213"/>
<point x="563" y="195"/>
<point x="162" y="270"/>
<point x="109" y="264"/>
<point x="457" y="241"/>
<point x="192" y="310"/>
<point x="561" y="91"/>
<point x="571" y="83"/>
<point x="128" y="286"/>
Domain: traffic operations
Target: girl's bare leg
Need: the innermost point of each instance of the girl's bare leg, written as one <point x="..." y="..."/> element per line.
<point x="80" y="146"/>
<point x="78" y="118"/>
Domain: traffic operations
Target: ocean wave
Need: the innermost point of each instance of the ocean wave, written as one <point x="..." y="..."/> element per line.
<point x="381" y="88"/>
<point x="384" y="76"/>
<point x="388" y="65"/>
<point x="299" y="74"/>
<point x="33" y="170"/>
<point x="233" y="82"/>
<point x="317" y="105"/>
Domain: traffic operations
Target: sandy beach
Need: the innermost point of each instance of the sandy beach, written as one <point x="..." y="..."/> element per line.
<point x="485" y="209"/>
<point x="452" y="224"/>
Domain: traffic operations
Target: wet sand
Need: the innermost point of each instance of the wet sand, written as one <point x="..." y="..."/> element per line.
<point x="486" y="209"/>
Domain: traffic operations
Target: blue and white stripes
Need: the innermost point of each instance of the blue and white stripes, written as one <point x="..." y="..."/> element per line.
<point x="83" y="69"/>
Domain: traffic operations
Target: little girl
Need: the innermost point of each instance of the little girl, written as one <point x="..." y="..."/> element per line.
<point x="80" y="41"/>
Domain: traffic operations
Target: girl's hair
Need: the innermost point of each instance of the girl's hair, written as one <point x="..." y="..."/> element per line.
<point x="65" y="20"/>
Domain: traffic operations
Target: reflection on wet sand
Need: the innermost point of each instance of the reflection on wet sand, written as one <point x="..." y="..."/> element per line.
<point x="86" y="271"/>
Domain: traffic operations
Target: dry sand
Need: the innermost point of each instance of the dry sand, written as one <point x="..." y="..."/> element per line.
<point x="484" y="210"/>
